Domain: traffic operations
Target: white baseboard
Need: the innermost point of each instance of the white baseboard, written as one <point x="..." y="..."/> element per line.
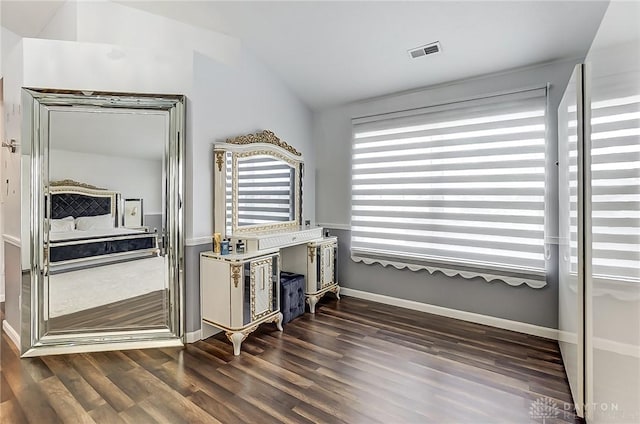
<point x="13" y="335"/>
<point x="202" y="333"/>
<point x="14" y="241"/>
<point x="2" y="297"/>
<point x="521" y="327"/>
<point x="194" y="336"/>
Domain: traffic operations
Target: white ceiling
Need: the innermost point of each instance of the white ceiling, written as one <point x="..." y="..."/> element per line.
<point x="335" y="52"/>
<point x="28" y="17"/>
<point x="110" y="132"/>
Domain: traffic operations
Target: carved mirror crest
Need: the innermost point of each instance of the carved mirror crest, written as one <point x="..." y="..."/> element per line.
<point x="258" y="185"/>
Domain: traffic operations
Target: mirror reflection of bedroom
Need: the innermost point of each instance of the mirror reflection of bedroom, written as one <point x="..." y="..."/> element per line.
<point x="106" y="260"/>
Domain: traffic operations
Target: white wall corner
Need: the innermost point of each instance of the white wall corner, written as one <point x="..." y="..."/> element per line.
<point x="520" y="327"/>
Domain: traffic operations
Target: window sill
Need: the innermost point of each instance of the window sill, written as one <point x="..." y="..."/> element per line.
<point x="533" y="279"/>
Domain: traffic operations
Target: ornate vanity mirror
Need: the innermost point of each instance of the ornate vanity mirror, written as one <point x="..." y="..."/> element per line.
<point x="258" y="185"/>
<point x="93" y="279"/>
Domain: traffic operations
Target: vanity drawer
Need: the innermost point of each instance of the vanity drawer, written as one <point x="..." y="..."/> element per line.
<point x="288" y="238"/>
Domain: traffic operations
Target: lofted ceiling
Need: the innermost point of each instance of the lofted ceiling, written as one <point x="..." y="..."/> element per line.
<point x="336" y="52"/>
<point x="28" y="17"/>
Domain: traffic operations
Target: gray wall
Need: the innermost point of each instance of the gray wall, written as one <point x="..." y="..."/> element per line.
<point x="332" y="138"/>
<point x="519" y="303"/>
<point x="153" y="221"/>
<point x="192" y="285"/>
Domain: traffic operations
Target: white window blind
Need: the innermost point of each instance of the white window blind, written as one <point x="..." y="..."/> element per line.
<point x="460" y="186"/>
<point x="615" y="187"/>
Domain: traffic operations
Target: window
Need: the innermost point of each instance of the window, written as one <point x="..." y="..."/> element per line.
<point x="615" y="194"/>
<point x="457" y="187"/>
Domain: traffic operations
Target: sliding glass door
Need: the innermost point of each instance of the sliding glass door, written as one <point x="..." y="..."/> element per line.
<point x="571" y="187"/>
<point x="599" y="194"/>
<point x="612" y="349"/>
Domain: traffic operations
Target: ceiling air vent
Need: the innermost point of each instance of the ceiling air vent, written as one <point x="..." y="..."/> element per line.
<point x="425" y="50"/>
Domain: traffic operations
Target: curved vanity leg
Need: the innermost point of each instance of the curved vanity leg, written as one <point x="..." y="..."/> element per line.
<point x="338" y="292"/>
<point x="312" y="300"/>
<point x="236" y="339"/>
<point x="279" y="321"/>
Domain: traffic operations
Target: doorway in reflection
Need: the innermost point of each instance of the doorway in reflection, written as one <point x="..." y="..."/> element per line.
<point x="107" y="265"/>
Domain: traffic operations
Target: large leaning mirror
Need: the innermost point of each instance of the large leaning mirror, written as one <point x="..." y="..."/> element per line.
<point x="101" y="208"/>
<point x="258" y="179"/>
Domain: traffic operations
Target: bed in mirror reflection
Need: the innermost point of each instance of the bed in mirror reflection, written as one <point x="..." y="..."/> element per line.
<point x="102" y="272"/>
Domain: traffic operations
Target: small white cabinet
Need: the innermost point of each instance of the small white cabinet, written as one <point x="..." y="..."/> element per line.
<point x="322" y="270"/>
<point x="240" y="292"/>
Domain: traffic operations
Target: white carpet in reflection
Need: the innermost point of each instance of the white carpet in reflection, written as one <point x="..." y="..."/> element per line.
<point x="87" y="288"/>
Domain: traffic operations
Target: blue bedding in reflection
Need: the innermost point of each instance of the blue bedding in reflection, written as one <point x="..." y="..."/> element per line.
<point x="89" y="249"/>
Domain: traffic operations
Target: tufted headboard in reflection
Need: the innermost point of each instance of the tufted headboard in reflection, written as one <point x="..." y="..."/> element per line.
<point x="72" y="198"/>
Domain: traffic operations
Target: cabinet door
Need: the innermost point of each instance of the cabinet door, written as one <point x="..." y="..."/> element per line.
<point x="261" y="287"/>
<point x="327" y="265"/>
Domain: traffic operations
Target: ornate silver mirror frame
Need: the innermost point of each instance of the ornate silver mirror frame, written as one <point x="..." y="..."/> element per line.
<point x="37" y="106"/>
<point x="226" y="170"/>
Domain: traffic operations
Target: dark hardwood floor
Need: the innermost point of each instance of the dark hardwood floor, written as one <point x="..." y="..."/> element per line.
<point x="353" y="362"/>
<point x="146" y="311"/>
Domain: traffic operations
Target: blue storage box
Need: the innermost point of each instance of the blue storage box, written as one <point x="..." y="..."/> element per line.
<point x="291" y="295"/>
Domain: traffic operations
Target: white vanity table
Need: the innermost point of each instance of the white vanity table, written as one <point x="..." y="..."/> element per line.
<point x="258" y="200"/>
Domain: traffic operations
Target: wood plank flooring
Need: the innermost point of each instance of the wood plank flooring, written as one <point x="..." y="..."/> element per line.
<point x="353" y="362"/>
<point x="146" y="311"/>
